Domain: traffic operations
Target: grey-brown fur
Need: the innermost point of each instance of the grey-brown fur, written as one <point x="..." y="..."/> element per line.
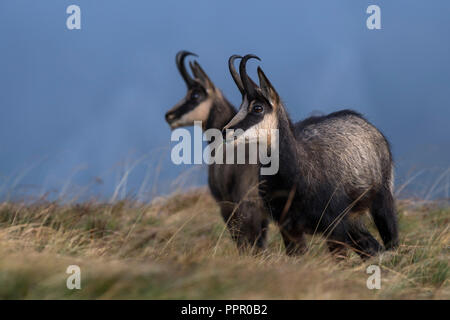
<point x="357" y="157"/>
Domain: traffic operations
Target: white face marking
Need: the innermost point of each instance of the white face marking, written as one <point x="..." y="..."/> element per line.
<point x="199" y="113"/>
<point x="262" y="128"/>
<point x="259" y="131"/>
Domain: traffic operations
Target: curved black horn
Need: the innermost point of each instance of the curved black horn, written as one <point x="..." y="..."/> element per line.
<point x="234" y="73"/>
<point x="182" y="68"/>
<point x="248" y="84"/>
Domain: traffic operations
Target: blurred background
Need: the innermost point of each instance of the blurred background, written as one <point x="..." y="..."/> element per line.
<point x="82" y="111"/>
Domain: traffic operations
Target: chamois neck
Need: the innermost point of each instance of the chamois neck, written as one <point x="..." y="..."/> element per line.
<point x="285" y="119"/>
<point x="291" y="151"/>
<point x="222" y="111"/>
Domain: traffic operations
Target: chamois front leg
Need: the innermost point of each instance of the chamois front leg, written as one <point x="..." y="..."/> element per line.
<point x="293" y="238"/>
<point x="247" y="226"/>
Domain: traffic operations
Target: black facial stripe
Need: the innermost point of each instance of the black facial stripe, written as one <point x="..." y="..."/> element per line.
<point x="248" y="122"/>
<point x="187" y="107"/>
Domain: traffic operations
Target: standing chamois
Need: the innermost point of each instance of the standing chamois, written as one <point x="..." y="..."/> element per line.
<point x="331" y="168"/>
<point x="233" y="186"/>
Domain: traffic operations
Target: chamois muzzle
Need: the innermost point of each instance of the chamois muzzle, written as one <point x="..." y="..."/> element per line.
<point x="170" y="116"/>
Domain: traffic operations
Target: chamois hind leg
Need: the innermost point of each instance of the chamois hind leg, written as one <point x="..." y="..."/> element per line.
<point x="385" y="218"/>
<point x="355" y="236"/>
<point x="337" y="249"/>
<point x="363" y="242"/>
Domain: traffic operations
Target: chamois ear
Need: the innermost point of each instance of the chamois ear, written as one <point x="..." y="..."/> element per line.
<point x="201" y="75"/>
<point x="267" y="89"/>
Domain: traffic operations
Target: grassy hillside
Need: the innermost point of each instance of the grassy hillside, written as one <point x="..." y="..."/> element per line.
<point x="178" y="248"/>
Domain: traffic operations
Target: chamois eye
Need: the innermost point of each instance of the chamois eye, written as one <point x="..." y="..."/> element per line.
<point x="195" y="95"/>
<point x="258" y="108"/>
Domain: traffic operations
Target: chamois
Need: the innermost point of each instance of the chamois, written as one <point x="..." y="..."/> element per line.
<point x="233" y="186"/>
<point x="332" y="167"/>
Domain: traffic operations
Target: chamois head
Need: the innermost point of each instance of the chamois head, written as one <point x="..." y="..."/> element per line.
<point x="196" y="105"/>
<point x="257" y="115"/>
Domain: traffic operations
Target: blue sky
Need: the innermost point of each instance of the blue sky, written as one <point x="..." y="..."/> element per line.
<point x="76" y="107"/>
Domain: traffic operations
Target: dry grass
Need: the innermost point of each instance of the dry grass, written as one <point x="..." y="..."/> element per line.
<point x="173" y="249"/>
